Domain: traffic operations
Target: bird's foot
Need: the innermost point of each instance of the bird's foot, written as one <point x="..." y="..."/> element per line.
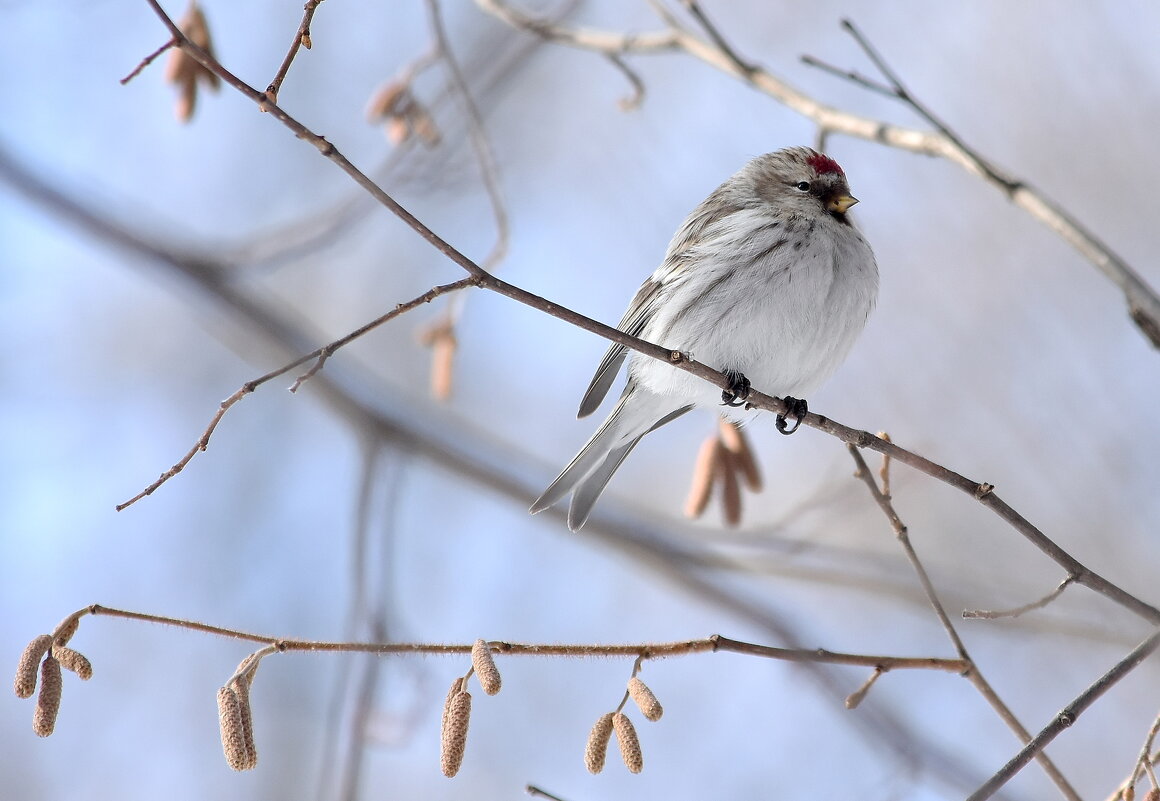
<point x="797" y="410"/>
<point x="738" y="389"/>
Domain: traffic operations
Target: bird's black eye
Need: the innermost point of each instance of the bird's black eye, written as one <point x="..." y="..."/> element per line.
<point x="804" y="186"/>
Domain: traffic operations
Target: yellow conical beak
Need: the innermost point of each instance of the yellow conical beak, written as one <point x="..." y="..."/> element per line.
<point x="841" y="203"/>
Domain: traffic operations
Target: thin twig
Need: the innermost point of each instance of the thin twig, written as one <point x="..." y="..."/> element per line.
<point x="584" y="38"/>
<point x="1143" y="762"/>
<point x="533" y="790"/>
<point x="981" y="491"/>
<point x="633" y="101"/>
<point x="319" y="354"/>
<point x="719" y="41"/>
<point x="983" y="614"/>
<point x="972" y="673"/>
<point x="301" y="39"/>
<point x="903" y="94"/>
<point x="149" y="59"/>
<point x="851" y="75"/>
<point x="1068" y="716"/>
<point x="477" y="134"/>
<point x="711" y="644"/>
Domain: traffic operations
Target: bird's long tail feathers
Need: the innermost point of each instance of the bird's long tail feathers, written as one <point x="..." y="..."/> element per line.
<point x="637" y="413"/>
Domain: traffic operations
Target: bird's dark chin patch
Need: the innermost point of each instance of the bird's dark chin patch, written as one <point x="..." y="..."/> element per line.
<point x="840" y="216"/>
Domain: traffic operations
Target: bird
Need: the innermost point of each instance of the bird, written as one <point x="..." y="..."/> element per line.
<point x="767" y="280"/>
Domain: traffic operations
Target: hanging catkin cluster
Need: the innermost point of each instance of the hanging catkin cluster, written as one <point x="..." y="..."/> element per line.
<point x="43" y="658"/>
<point x="596" y="750"/>
<point x="457" y="707"/>
<point x="726" y="461"/>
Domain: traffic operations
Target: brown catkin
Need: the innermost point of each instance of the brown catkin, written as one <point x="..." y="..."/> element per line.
<point x="456" y="688"/>
<point x="232" y="731"/>
<point x="737" y="444"/>
<point x="387" y="100"/>
<point x="25" y="682"/>
<point x="454" y="742"/>
<point x="629" y="743"/>
<point x="443" y="365"/>
<point x="1152" y="795"/>
<point x="597" y="748"/>
<point x="704" y="476"/>
<point x="649" y="706"/>
<point x="241" y="688"/>
<point x="48" y="702"/>
<point x="730" y="488"/>
<point x="72" y="660"/>
<point x="67" y="628"/>
<point x="485" y="669"/>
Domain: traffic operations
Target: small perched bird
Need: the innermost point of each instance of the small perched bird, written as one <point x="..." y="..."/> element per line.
<point x="767" y="281"/>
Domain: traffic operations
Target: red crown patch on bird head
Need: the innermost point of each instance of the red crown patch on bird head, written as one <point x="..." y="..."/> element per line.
<point x="823" y="164"/>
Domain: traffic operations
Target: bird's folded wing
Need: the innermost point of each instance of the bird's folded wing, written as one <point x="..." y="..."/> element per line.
<point x="632" y="323"/>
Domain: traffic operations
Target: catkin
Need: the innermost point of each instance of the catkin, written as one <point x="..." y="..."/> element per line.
<point x="485" y="669"/>
<point x="1152" y="795"/>
<point x="232" y="728"/>
<point x="629" y="743"/>
<point x="597" y="748"/>
<point x="48" y="702"/>
<point x="25" y="682"/>
<point x="241" y="688"/>
<point x="72" y="660"/>
<point x="727" y="468"/>
<point x="454" y="741"/>
<point x="737" y="444"/>
<point x="704" y="476"/>
<point x="68" y="627"/>
<point x="649" y="706"/>
<point x="456" y="688"/>
<point x="443" y="365"/>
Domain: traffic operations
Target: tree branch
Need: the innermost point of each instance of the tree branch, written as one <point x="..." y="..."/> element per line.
<point x="972" y="673"/>
<point x="1067" y="717"/>
<point x="983" y="492"/>
<point x="1142" y="301"/>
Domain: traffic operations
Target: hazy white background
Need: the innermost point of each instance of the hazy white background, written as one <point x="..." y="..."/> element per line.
<point x="994" y="350"/>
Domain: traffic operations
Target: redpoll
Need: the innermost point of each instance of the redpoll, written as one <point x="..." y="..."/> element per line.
<point x="767" y="280"/>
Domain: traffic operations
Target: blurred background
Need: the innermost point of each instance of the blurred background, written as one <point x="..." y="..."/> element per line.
<point x="362" y="508"/>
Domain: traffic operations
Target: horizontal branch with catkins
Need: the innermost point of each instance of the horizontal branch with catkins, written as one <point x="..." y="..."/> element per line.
<point x="48" y="653"/>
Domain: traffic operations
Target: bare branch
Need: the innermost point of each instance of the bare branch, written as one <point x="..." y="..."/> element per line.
<point x="149" y="59"/>
<point x="632" y="101"/>
<point x="642" y="651"/>
<point x="477" y="133"/>
<point x="717" y="38"/>
<point x="972" y="673"/>
<point x="1068" y="716"/>
<point x="983" y="614"/>
<point x="1142" y="301"/>
<point x="583" y="38"/>
<point x="899" y="91"/>
<point x="301" y="39"/>
<point x="1144" y="762"/>
<point x="320" y="355"/>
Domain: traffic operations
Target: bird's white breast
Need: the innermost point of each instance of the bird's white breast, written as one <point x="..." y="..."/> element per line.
<point x="785" y="315"/>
